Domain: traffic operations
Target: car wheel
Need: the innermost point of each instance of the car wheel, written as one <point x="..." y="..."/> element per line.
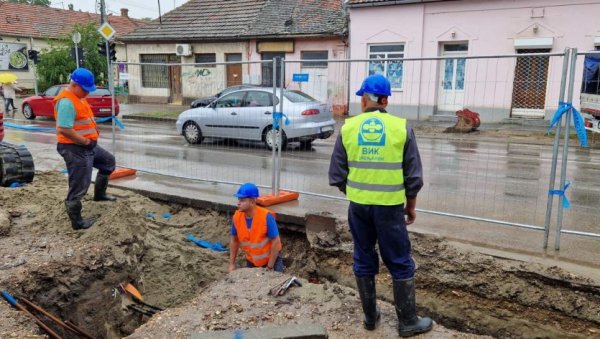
<point x="192" y="133"/>
<point x="268" y="136"/>
<point x="28" y="112"/>
<point x="306" y="145"/>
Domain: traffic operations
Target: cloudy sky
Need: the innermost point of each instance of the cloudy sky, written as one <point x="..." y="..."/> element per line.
<point x="137" y="8"/>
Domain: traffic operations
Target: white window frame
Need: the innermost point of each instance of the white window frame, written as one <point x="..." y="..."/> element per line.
<point x="388" y="55"/>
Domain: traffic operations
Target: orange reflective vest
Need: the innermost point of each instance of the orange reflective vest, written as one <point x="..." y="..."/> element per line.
<point x="85" y="125"/>
<point x="254" y="242"/>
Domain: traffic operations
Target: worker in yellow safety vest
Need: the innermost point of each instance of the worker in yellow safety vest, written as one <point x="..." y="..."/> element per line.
<point x="376" y="163"/>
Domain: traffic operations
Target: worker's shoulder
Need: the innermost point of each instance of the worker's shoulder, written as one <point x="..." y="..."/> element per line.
<point x="64" y="104"/>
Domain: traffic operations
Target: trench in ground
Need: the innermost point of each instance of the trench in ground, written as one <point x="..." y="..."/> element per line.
<point x="464" y="291"/>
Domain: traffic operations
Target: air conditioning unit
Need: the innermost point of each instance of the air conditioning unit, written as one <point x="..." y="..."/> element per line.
<point x="183" y="49"/>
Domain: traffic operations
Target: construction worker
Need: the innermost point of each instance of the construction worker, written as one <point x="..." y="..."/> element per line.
<point x="77" y="137"/>
<point x="254" y="229"/>
<point x="376" y="163"/>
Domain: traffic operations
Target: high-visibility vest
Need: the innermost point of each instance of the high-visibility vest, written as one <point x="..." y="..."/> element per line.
<point x="255" y="242"/>
<point x="374" y="144"/>
<point x="85" y="125"/>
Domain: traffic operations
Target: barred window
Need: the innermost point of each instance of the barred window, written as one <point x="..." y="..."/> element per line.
<point x="205" y="57"/>
<point x="314" y="55"/>
<point x="155" y="76"/>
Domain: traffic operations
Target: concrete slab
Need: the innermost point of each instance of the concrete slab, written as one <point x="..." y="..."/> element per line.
<point x="297" y="331"/>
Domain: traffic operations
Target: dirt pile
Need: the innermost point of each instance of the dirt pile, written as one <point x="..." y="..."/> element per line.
<point x="73" y="274"/>
<point x="241" y="301"/>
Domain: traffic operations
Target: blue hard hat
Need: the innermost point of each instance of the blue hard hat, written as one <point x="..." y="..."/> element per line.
<point x="247" y="190"/>
<point x="376" y="84"/>
<point x="84" y="78"/>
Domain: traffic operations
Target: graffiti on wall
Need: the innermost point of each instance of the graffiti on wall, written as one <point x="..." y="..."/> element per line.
<point x="193" y="77"/>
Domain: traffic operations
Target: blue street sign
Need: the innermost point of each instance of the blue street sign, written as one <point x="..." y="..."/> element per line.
<point x="300" y="77"/>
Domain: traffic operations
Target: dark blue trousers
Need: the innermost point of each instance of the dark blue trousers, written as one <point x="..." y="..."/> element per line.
<point x="80" y="162"/>
<point x="370" y="224"/>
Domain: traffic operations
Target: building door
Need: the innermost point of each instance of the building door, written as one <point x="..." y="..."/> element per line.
<point x="451" y="95"/>
<point x="175" y="87"/>
<point x="267" y="68"/>
<point x="529" y="87"/>
<point x="234" y="71"/>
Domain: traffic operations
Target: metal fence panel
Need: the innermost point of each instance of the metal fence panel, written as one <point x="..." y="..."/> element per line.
<point x="233" y="109"/>
<point x="464" y="177"/>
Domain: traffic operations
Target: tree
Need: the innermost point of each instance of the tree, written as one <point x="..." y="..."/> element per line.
<point x="32" y="2"/>
<point x="56" y="63"/>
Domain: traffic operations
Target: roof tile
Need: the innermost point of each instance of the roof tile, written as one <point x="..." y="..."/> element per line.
<point x="41" y="22"/>
<point x="242" y="19"/>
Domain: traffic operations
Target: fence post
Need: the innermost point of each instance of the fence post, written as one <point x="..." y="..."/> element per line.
<point x="565" y="155"/>
<point x="280" y="126"/>
<point x="561" y="97"/>
<point x="274" y="190"/>
<point x="111" y="88"/>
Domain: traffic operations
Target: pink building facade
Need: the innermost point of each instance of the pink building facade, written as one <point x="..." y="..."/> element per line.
<point x="497" y="88"/>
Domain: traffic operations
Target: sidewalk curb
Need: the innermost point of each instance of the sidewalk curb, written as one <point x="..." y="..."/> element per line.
<point x="145" y="118"/>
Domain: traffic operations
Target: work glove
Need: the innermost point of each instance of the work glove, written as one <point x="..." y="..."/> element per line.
<point x="91" y="145"/>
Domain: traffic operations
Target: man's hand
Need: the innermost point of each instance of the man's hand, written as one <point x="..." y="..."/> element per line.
<point x="410" y="209"/>
<point x="411" y="215"/>
<point x="90" y="145"/>
<point x="231" y="267"/>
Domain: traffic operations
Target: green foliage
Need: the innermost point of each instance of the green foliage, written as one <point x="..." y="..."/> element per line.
<point x="56" y="62"/>
<point x="32" y="2"/>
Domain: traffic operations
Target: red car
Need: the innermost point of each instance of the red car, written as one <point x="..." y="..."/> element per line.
<point x="43" y="105"/>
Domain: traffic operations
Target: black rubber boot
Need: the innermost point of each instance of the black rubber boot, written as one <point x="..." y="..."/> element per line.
<point x="368" y="298"/>
<point x="406" y="309"/>
<point x="100" y="188"/>
<point x="74" y="212"/>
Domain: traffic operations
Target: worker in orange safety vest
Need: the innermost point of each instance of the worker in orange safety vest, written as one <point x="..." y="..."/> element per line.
<point x="254" y="229"/>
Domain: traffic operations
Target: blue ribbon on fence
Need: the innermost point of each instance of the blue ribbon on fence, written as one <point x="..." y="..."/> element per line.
<point x="563" y="108"/>
<point x="561" y="193"/>
<point x="117" y="121"/>
<point x="32" y="128"/>
<point x="277" y="116"/>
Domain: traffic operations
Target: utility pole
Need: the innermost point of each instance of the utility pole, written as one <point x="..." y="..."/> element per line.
<point x="111" y="85"/>
<point x="35" y="85"/>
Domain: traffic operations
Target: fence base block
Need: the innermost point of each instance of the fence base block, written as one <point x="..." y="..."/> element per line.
<point x="122" y="172"/>
<point x="269" y="199"/>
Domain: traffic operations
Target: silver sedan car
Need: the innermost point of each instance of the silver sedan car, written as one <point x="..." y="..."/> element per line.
<point x="247" y="114"/>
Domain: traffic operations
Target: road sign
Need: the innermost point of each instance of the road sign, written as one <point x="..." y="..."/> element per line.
<point x="76" y="37"/>
<point x="300" y="77"/>
<point x="107" y="31"/>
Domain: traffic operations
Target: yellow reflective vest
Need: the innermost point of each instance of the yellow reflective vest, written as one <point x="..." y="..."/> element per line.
<point x="374" y="144"/>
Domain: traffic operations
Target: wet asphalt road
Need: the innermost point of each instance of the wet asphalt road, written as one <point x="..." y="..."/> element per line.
<point x="498" y="180"/>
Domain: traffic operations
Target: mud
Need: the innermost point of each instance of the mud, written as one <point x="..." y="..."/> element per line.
<point x="74" y="274"/>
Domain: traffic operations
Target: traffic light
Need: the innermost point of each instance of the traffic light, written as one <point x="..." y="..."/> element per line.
<point x="102" y="48"/>
<point x="32" y="54"/>
<point x="112" y="53"/>
<point x="112" y="50"/>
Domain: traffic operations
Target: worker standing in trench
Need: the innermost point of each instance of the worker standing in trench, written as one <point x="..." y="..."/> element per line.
<point x="255" y="230"/>
<point x="376" y="163"/>
<point x="77" y="136"/>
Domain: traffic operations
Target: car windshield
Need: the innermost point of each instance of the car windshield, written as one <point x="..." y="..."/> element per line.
<point x="100" y="92"/>
<point x="297" y="96"/>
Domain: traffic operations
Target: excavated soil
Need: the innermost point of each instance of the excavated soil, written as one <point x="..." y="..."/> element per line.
<point x="74" y="275"/>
